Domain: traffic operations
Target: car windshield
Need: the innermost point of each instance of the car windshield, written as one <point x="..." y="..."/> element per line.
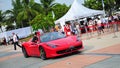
<point x="51" y="36"/>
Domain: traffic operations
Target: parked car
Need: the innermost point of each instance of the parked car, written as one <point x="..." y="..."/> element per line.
<point x="51" y="45"/>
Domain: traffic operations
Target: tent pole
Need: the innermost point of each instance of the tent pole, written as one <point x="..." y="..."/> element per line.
<point x="103" y="7"/>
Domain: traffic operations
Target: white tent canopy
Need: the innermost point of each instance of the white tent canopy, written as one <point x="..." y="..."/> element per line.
<point x="77" y="11"/>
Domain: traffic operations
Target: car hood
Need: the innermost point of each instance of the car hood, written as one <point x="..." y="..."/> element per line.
<point x="64" y="41"/>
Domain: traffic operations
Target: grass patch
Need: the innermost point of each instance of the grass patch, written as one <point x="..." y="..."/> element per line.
<point x="26" y="39"/>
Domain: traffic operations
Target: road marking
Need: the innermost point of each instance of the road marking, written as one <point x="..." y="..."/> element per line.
<point x="79" y="61"/>
<point x="114" y="49"/>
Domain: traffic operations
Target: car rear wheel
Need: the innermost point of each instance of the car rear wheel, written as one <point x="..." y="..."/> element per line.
<point x="42" y="53"/>
<point x="24" y="52"/>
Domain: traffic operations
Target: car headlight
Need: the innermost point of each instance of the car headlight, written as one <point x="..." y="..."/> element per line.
<point x="78" y="38"/>
<point x="52" y="46"/>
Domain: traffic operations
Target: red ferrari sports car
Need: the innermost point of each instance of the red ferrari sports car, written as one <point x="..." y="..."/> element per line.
<point x="52" y="44"/>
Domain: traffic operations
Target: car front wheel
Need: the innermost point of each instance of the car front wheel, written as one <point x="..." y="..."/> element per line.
<point x="42" y="53"/>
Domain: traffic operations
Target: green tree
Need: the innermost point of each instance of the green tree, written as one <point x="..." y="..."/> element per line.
<point x="47" y="5"/>
<point x="1" y="20"/>
<point x="11" y="15"/>
<point x="37" y="7"/>
<point x="27" y="13"/>
<point x="45" y="19"/>
<point x="93" y="4"/>
<point x="42" y="21"/>
<point x="110" y="5"/>
<point x="60" y="10"/>
<point x="117" y="3"/>
<point x="10" y="27"/>
<point x="21" y="13"/>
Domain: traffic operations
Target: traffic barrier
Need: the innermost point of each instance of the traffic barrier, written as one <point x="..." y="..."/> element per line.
<point x="93" y="28"/>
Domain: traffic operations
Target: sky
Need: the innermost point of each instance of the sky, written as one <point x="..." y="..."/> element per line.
<point x="6" y="4"/>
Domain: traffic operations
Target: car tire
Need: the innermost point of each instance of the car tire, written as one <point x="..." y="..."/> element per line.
<point x="42" y="53"/>
<point x="24" y="52"/>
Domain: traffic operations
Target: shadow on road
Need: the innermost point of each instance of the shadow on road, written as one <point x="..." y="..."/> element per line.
<point x="68" y="55"/>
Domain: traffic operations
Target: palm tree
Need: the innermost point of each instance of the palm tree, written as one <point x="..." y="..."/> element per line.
<point x="117" y="4"/>
<point x="1" y="20"/>
<point x="27" y="12"/>
<point x="11" y="15"/>
<point x="47" y="5"/>
<point x="60" y="10"/>
<point x="110" y="6"/>
<point x="44" y="20"/>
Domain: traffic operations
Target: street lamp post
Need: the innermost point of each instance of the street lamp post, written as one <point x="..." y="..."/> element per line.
<point x="103" y="7"/>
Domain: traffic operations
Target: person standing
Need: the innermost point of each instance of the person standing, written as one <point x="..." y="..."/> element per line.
<point x="35" y="38"/>
<point x="4" y="41"/>
<point x="115" y="24"/>
<point x="15" y="41"/>
<point x="61" y="30"/>
<point x="68" y="33"/>
<point x="90" y="27"/>
<point x="77" y="25"/>
<point x="65" y="30"/>
<point x="99" y="26"/>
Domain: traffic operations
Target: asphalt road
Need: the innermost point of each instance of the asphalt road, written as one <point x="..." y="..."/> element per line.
<point x="9" y="58"/>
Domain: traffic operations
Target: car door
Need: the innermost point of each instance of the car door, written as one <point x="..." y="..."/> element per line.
<point x="34" y="49"/>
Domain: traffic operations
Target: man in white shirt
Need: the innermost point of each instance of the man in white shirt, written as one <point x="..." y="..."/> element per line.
<point x="16" y="41"/>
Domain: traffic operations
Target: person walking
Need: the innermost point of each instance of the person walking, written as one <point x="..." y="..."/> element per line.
<point x="15" y="41"/>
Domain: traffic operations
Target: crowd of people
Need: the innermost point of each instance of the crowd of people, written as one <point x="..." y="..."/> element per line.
<point x="90" y="25"/>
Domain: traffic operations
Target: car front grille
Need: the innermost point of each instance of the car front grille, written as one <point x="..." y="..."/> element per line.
<point x="69" y="49"/>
